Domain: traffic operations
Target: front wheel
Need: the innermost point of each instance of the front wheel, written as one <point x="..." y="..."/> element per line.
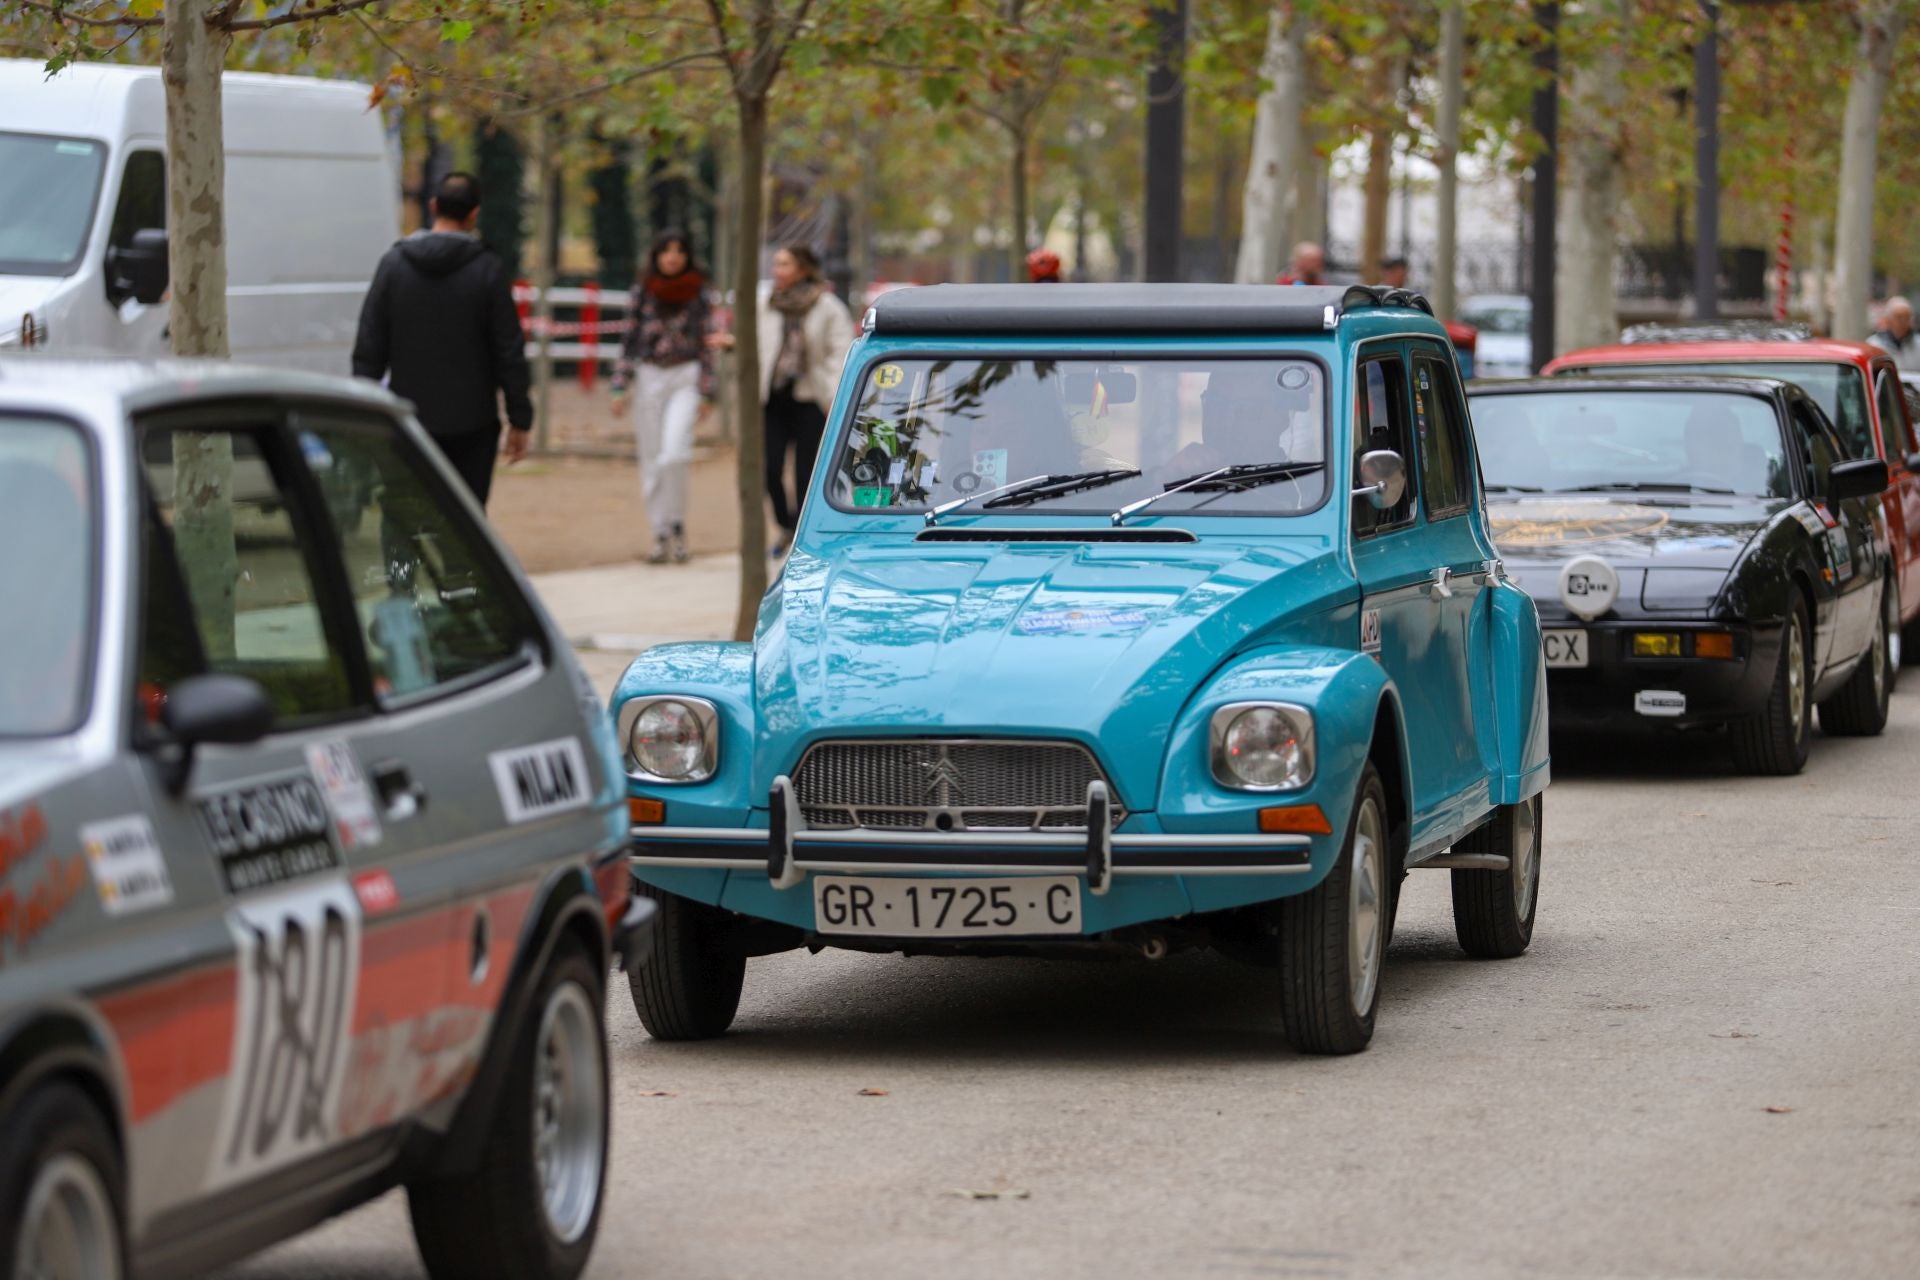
<point x="1333" y="938"/>
<point x="689" y="986"/>
<point x="1859" y="709"/>
<point x="1775" y="741"/>
<point x="59" y="1190"/>
<point x="531" y="1208"/>
<point x="1493" y="910"/>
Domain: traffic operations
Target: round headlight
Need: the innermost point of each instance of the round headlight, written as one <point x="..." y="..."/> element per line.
<point x="669" y="741"/>
<point x="1263" y="747"/>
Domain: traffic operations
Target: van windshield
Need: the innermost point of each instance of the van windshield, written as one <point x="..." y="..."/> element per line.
<point x="46" y="556"/>
<point x="927" y="432"/>
<point x="47" y="202"/>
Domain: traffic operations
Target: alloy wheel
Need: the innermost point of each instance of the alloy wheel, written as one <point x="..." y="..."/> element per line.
<point x="1796" y="660"/>
<point x="1366" y="913"/>
<point x="569" y="1122"/>
<point x="67" y="1231"/>
<point x="1524" y="854"/>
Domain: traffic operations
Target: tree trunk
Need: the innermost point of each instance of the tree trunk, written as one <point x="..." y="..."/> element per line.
<point x="1586" y="309"/>
<point x="1268" y="201"/>
<point x="746" y="362"/>
<point x="1379" y="183"/>
<point x="191" y="55"/>
<point x="866" y="195"/>
<point x="1880" y="25"/>
<point x="1017" y="249"/>
<point x="545" y="269"/>
<point x="1445" y="297"/>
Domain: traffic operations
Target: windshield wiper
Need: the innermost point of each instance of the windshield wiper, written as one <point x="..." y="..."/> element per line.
<point x="1645" y="486"/>
<point x="1514" y="488"/>
<point x="1058" y="485"/>
<point x="1245" y="475"/>
<point x="1031" y="482"/>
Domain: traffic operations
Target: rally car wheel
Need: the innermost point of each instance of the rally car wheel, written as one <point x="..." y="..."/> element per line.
<point x="1859" y="709"/>
<point x="1493" y="910"/>
<point x="1895" y="638"/>
<point x="1333" y="938"/>
<point x="59" y="1201"/>
<point x="689" y="987"/>
<point x="532" y="1206"/>
<point x="1775" y="741"/>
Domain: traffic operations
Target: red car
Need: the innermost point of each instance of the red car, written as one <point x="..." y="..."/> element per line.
<point x="1858" y="387"/>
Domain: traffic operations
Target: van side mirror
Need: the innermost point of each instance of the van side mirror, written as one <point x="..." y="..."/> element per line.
<point x="1383" y="478"/>
<point x="1861" y="478"/>
<point x="211" y="708"/>
<point x="138" y="270"/>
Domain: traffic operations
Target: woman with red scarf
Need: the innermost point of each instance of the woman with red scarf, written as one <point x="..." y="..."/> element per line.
<point x="667" y="364"/>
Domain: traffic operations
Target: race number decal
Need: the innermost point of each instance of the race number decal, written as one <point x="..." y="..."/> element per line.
<point x="546" y="778"/>
<point x="297" y="972"/>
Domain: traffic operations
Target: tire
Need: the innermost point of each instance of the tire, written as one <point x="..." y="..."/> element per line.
<point x="1493" y="910"/>
<point x="1775" y="741"/>
<point x="1859" y="709"/>
<point x="689" y="987"/>
<point x="60" y="1190"/>
<point x="1896" y="646"/>
<point x="531" y="1207"/>
<point x="1333" y="937"/>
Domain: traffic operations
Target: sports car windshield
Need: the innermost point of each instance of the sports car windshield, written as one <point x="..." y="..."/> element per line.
<point x="46" y="576"/>
<point x="1836" y="388"/>
<point x="1631" y="441"/>
<point x="931" y="432"/>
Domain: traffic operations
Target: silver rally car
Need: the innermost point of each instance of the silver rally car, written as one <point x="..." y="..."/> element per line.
<point x="311" y="837"/>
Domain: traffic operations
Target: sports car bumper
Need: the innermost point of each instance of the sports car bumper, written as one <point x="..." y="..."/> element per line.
<point x="1619" y="692"/>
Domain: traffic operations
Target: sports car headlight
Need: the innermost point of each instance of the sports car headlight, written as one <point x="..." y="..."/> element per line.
<point x="671" y="739"/>
<point x="1262" y="746"/>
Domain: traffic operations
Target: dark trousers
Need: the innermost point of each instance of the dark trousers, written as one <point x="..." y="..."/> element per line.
<point x="472" y="454"/>
<point x="796" y="425"/>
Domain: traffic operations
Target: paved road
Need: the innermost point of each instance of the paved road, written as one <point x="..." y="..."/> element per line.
<point x="1708" y="1066"/>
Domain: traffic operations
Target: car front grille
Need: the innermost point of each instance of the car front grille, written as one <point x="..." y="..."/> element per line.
<point x="932" y="784"/>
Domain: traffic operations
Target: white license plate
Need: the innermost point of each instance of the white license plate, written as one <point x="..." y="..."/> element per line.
<point x="1564" y="648"/>
<point x="1021" y="906"/>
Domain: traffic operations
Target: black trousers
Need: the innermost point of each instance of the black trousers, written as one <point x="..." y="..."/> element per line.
<point x="797" y="425"/>
<point x="472" y="454"/>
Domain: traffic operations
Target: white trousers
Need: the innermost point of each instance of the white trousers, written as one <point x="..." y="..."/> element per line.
<point x="665" y="404"/>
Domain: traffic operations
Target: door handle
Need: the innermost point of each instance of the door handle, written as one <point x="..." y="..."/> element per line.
<point x="1442" y="588"/>
<point x="400" y="796"/>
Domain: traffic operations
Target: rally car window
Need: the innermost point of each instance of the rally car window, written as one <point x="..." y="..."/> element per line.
<point x="46" y="576"/>
<point x="1439" y="422"/>
<point x="1893" y="417"/>
<point x="433" y="604"/>
<point x="1818" y="449"/>
<point x="1380" y="422"/>
<point x="928" y="431"/>
<point x="236" y="533"/>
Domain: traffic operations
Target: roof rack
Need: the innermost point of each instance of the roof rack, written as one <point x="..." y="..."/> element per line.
<point x="1380" y="295"/>
<point x="998" y="310"/>
<point x="1716" y="331"/>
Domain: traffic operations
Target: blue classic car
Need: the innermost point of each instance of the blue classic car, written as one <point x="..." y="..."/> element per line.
<point x="1120" y="617"/>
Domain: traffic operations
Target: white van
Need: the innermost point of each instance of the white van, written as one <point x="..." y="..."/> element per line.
<point x="313" y="200"/>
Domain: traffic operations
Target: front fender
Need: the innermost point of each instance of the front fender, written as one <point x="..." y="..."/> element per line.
<point x="1519" y="696"/>
<point x="722" y="673"/>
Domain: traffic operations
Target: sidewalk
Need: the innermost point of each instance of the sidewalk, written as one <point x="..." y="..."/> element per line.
<point x="612" y="613"/>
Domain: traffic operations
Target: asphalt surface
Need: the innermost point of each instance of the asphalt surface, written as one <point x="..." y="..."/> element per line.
<point x="1707" y="1066"/>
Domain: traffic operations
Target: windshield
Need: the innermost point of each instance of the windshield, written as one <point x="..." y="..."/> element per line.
<point x="1837" y="388"/>
<point x="929" y="432"/>
<point x="1497" y="317"/>
<point x="47" y="202"/>
<point x="1649" y="440"/>
<point x="46" y="576"/>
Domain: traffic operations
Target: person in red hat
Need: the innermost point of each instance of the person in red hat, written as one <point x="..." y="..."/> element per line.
<point x="1043" y="266"/>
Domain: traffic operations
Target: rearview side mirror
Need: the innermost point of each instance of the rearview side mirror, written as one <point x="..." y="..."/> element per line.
<point x="1861" y="478"/>
<point x="232" y="710"/>
<point x="138" y="270"/>
<point x="1383" y="478"/>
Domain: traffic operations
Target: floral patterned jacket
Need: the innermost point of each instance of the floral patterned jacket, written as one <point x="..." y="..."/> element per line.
<point x="665" y="335"/>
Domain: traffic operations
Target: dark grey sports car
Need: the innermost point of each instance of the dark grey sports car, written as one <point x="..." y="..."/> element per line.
<point x="1702" y="552"/>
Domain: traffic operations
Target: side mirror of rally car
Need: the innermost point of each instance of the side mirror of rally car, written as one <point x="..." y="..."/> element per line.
<point x="212" y="708"/>
<point x="1861" y="478"/>
<point x="1383" y="479"/>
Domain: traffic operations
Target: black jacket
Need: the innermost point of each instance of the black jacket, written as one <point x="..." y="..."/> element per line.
<point x="439" y="319"/>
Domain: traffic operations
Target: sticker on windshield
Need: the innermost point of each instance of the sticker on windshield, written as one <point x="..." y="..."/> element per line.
<point x="888" y="376"/>
<point x="897" y="471"/>
<point x="872" y="497"/>
<point x="543" y="779"/>
<point x="348" y="794"/>
<point x="270" y="833"/>
<point x="128" y="868"/>
<point x="991" y="466"/>
<point x="1057" y="621"/>
<point x="928" y="474"/>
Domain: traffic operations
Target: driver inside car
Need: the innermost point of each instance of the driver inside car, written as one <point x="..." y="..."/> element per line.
<point x="1248" y="415"/>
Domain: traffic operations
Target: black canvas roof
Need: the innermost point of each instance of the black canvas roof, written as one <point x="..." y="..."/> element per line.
<point x="999" y="309"/>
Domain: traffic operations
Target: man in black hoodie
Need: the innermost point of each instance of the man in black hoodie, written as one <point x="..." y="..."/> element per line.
<point x="439" y="324"/>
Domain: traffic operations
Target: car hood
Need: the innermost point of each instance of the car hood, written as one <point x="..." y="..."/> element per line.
<point x="31" y="767"/>
<point x="1103" y="643"/>
<point x="1672" y="552"/>
<point x="21" y="294"/>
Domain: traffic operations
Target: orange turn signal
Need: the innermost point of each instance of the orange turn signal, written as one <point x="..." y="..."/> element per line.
<point x="1713" y="644"/>
<point x="1295" y="819"/>
<point x="646" y="813"/>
